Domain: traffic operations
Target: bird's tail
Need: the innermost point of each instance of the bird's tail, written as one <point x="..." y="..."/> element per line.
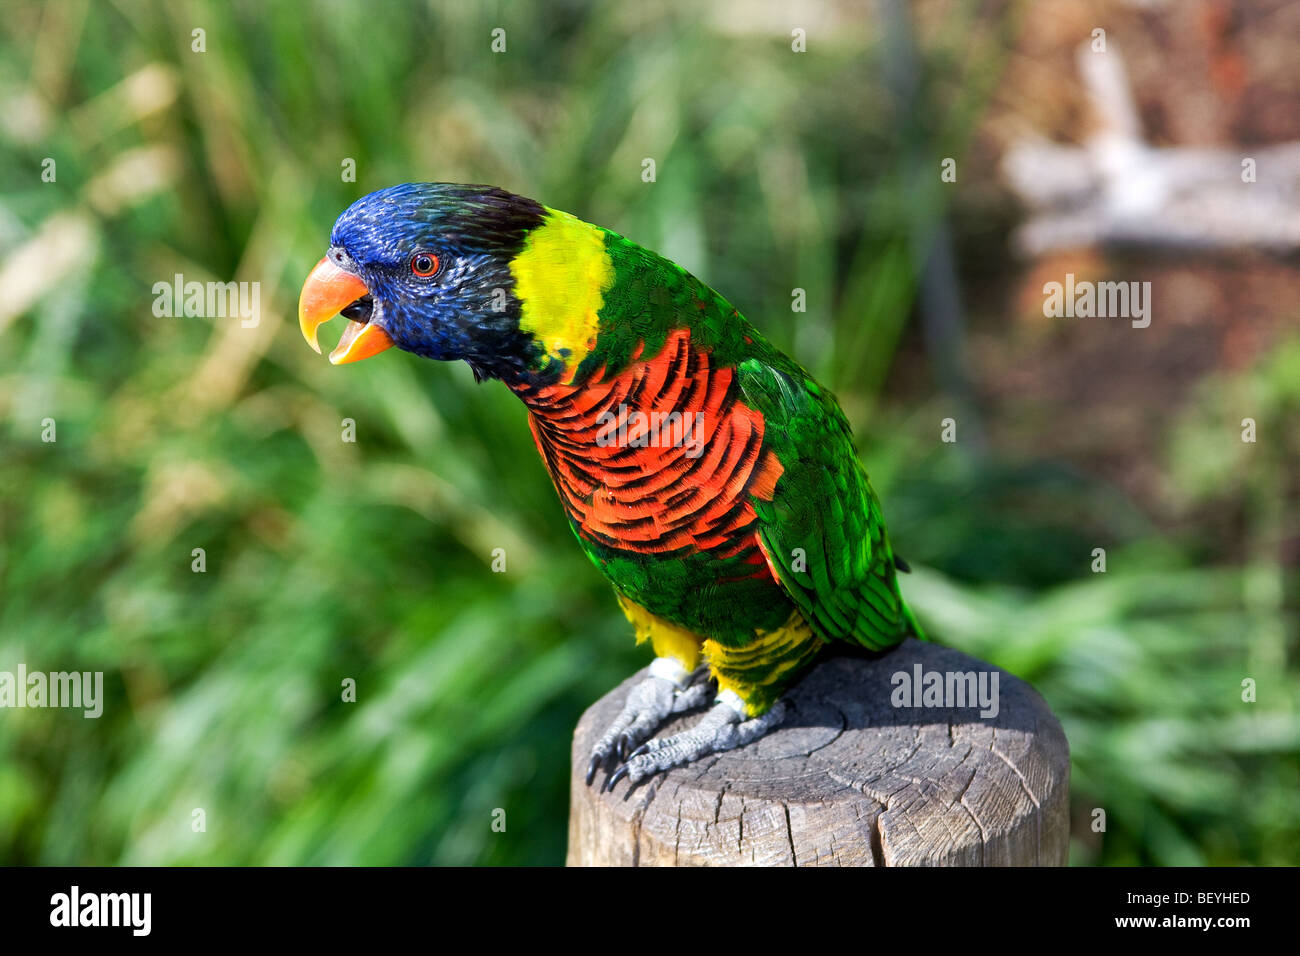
<point x="917" y="631"/>
<point x="913" y="624"/>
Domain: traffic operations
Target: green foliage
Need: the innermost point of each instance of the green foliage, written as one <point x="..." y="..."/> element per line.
<point x="371" y="561"/>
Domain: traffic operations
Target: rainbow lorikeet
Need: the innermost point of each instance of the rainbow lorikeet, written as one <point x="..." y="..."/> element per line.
<point x="708" y="476"/>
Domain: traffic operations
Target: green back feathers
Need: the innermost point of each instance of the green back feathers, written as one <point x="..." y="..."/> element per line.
<point x="823" y="530"/>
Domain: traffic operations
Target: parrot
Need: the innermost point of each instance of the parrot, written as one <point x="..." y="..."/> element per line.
<point x="711" y="480"/>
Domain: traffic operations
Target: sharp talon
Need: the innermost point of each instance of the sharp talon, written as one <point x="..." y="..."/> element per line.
<point x="596" y="761"/>
<point x="643" y="749"/>
<point x="624" y="742"/>
<point x="618" y="775"/>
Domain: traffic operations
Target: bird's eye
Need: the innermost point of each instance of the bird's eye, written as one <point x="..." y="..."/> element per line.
<point x="424" y="264"/>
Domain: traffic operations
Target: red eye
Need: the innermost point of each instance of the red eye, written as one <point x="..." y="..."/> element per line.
<point x="424" y="264"/>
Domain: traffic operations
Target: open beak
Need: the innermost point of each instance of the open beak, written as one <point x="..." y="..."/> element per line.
<point x="327" y="292"/>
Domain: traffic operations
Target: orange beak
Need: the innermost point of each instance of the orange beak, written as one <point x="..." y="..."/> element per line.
<point x="327" y="291"/>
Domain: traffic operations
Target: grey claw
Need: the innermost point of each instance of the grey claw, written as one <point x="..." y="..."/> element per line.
<point x="644" y="709"/>
<point x="618" y="775"/>
<point x="722" y="729"/>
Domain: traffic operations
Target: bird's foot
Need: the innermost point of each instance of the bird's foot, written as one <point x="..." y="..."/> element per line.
<point x="725" y="727"/>
<point x="670" y="689"/>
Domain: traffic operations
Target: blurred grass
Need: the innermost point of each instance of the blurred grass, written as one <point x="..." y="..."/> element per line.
<point x="371" y="561"/>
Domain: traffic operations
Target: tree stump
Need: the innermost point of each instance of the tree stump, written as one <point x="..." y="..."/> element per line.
<point x="849" y="779"/>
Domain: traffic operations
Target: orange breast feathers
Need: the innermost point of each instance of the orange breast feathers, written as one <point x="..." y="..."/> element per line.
<point x="662" y="457"/>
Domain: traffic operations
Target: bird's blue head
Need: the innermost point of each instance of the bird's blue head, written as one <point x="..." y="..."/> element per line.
<point x="426" y="267"/>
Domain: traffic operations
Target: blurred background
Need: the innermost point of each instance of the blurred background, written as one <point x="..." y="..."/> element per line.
<point x="776" y="170"/>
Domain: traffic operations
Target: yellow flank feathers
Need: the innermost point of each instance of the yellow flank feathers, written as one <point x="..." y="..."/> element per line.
<point x="561" y="277"/>
<point x="758" y="671"/>
<point x="668" y="640"/>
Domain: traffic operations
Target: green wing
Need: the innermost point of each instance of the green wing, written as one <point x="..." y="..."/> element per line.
<point x="823" y="530"/>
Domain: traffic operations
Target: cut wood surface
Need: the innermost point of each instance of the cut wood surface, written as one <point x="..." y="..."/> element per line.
<point x="848" y="780"/>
